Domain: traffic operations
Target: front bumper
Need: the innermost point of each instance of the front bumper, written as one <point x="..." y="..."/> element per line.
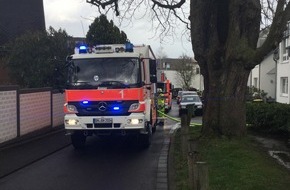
<point x="131" y="122"/>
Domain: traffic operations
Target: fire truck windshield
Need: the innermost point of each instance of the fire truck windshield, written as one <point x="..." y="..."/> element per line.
<point x="161" y="86"/>
<point x="104" y="72"/>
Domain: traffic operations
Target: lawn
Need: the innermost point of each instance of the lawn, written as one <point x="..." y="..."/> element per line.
<point x="237" y="164"/>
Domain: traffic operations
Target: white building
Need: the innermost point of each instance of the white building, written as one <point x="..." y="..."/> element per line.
<point x="168" y="67"/>
<point x="273" y="74"/>
<point x="283" y="68"/>
<point x="263" y="76"/>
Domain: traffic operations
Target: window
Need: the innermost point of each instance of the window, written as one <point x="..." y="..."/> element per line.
<point x="287" y="31"/>
<point x="105" y="72"/>
<point x="284" y="86"/>
<point x="197" y="71"/>
<point x="166" y="65"/>
<point x="285" y="44"/>
<point x="256" y="82"/>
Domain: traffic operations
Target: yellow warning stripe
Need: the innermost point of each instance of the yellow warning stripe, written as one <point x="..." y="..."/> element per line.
<point x="178" y="120"/>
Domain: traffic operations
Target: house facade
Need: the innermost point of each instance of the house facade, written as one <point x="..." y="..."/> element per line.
<point x="18" y="17"/>
<point x="283" y="68"/>
<point x="263" y="76"/>
<point x="169" y="67"/>
<point x="273" y="73"/>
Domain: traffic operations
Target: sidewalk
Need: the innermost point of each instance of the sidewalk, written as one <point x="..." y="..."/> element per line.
<point x="23" y="151"/>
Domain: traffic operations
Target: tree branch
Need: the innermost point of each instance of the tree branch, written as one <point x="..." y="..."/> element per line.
<point x="104" y="4"/>
<point x="167" y="5"/>
<point x="282" y="16"/>
<point x="162" y="11"/>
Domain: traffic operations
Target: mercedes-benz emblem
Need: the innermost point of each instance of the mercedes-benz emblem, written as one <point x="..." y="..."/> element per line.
<point x="102" y="106"/>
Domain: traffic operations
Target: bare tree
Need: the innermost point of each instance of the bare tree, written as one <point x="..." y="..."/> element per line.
<point x="268" y="12"/>
<point x="161" y="54"/>
<point x="185" y="71"/>
<point x="224" y="35"/>
<point x="268" y="9"/>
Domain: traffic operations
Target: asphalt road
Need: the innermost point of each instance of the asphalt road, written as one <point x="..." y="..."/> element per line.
<point x="105" y="164"/>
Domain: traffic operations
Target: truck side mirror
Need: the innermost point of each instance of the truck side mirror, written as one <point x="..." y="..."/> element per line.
<point x="153" y="72"/>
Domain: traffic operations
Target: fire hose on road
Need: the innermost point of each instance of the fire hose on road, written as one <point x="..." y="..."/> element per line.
<point x="192" y="124"/>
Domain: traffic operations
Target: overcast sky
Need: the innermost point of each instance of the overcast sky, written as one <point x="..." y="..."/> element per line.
<point x="75" y="16"/>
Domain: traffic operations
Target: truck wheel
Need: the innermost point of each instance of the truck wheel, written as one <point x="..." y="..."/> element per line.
<point x="78" y="140"/>
<point x="153" y="125"/>
<point x="145" y="139"/>
<point x="154" y="129"/>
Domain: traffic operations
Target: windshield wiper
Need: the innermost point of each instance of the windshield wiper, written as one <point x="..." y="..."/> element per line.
<point x="82" y="85"/>
<point x="114" y="84"/>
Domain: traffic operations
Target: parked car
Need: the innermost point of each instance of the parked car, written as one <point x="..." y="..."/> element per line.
<point x="182" y="93"/>
<point x="175" y="92"/>
<point x="178" y="97"/>
<point x="191" y="99"/>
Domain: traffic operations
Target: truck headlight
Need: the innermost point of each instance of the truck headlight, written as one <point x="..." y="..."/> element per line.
<point x="71" y="121"/>
<point x="134" y="121"/>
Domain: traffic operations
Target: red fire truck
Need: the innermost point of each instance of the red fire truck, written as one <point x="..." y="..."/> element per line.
<point x="111" y="90"/>
<point x="166" y="88"/>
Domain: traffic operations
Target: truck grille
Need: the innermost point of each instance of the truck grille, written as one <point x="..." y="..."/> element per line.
<point x="104" y="125"/>
<point x="103" y="108"/>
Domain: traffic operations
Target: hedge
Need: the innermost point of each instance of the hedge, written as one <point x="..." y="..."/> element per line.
<point x="268" y="117"/>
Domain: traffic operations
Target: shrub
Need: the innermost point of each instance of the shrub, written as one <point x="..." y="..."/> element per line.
<point x="34" y="57"/>
<point x="272" y="118"/>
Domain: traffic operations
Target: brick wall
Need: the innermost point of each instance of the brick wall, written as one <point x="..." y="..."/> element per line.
<point x="58" y="114"/>
<point x="8" y="114"/>
<point x="25" y="111"/>
<point x="35" y="111"/>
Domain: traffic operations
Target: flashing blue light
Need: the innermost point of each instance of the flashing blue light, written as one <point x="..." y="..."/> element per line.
<point x="83" y="49"/>
<point x="116" y="108"/>
<point x="85" y="102"/>
<point x="129" y="47"/>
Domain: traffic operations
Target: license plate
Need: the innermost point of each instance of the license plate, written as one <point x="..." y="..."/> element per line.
<point x="103" y="120"/>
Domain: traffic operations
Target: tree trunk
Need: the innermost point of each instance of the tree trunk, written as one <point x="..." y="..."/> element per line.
<point x="224" y="35"/>
<point x="224" y="110"/>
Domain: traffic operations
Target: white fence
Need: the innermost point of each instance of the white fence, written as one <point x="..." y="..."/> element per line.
<point x="28" y="110"/>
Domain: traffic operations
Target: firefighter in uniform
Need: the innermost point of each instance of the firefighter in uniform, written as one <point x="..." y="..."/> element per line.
<point x="161" y="102"/>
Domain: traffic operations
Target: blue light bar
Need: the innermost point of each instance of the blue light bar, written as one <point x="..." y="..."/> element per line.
<point x="129" y="47"/>
<point x="83" y="49"/>
<point x="116" y="108"/>
<point x="85" y="102"/>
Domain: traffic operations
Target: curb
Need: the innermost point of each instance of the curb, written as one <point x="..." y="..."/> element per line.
<point x="163" y="174"/>
<point x="162" y="171"/>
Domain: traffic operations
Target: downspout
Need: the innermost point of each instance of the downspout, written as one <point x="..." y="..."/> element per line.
<point x="260" y="65"/>
<point x="276" y="58"/>
<point x="276" y="80"/>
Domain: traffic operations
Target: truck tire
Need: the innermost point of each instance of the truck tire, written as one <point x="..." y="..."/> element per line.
<point x="153" y="125"/>
<point x="166" y="110"/>
<point x="78" y="140"/>
<point x="145" y="139"/>
<point x="154" y="129"/>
